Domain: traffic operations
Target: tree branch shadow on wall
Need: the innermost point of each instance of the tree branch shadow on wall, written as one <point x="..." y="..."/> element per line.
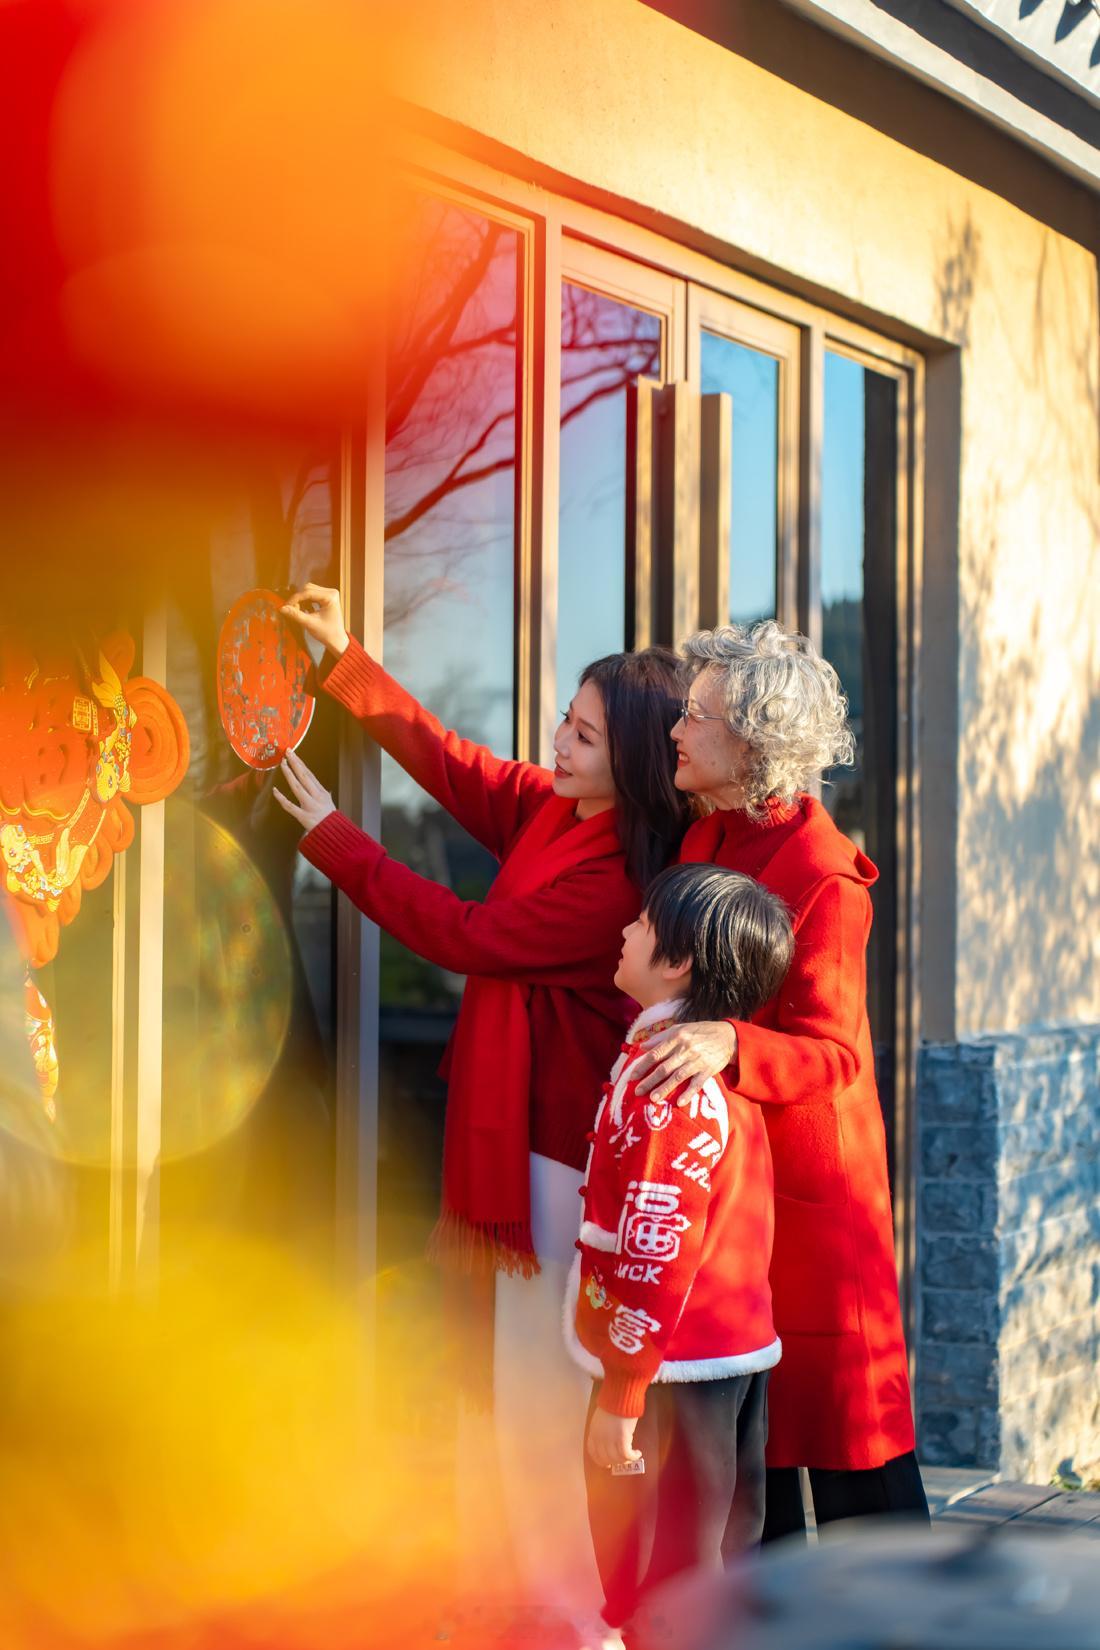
<point x="1029" y="694"/>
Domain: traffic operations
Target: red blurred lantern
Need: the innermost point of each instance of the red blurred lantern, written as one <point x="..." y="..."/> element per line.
<point x="78" y="742"/>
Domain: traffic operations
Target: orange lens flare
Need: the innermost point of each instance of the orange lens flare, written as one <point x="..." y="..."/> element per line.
<point x="217" y="178"/>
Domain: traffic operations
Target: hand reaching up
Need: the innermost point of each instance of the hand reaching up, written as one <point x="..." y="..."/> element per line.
<point x="312" y="802"/>
<point x="320" y="615"/>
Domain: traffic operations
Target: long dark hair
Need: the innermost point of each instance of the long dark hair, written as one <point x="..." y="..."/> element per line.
<point x="641" y="695"/>
<point x="736" y="934"/>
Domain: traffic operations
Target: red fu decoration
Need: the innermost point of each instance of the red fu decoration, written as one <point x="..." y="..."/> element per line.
<point x="263" y="668"/>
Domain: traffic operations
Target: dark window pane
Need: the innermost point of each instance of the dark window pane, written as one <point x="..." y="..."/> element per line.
<point x="605" y="345"/>
<point x="859" y="637"/>
<point x="451" y="433"/>
<point x="751" y="378"/>
<point x="857" y="559"/>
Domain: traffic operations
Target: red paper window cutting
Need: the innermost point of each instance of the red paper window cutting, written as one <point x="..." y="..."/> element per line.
<point x="262" y="672"/>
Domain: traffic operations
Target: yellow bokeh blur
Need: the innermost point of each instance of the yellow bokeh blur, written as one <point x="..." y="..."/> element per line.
<point x="207" y="1463"/>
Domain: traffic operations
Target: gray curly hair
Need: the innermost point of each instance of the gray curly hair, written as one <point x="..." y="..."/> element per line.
<point x="782" y="698"/>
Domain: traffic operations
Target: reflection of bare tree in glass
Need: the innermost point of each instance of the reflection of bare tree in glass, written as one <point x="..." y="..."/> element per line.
<point x="604" y="347"/>
<point x="452" y="387"/>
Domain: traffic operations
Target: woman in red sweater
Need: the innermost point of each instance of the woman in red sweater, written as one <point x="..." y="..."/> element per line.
<point x="765" y="714"/>
<point x="540" y="1020"/>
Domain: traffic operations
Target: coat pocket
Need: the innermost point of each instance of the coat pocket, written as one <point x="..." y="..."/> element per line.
<point x="815" y="1283"/>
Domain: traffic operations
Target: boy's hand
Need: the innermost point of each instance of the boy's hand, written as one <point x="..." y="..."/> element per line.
<point x="318" y="611"/>
<point x="685" y="1054"/>
<point x="312" y="802"/>
<point x="611" y="1439"/>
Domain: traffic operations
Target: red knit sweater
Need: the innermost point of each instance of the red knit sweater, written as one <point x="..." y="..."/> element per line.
<point x="671" y="1283"/>
<point x="561" y="941"/>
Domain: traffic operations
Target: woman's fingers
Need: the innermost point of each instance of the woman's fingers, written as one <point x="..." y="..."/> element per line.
<point x="301" y="777"/>
<point x="313" y="593"/>
<point x="696" y="1052"/>
<point x="670" y="1075"/>
<point x="315" y="803"/>
<point x="288" y="806"/>
<point x="317" y="609"/>
<point x="296" y="781"/>
<point x="306" y="786"/>
<point x="648" y="1058"/>
<point x="665" y="1059"/>
<point x="655" y="1049"/>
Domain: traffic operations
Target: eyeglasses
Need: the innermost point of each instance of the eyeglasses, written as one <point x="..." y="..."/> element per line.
<point x="691" y="713"/>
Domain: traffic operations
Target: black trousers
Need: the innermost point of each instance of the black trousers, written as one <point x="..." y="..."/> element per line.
<point x="701" y="1496"/>
<point x="892" y="1488"/>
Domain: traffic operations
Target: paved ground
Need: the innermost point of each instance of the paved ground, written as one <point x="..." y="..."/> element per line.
<point x="974" y="1498"/>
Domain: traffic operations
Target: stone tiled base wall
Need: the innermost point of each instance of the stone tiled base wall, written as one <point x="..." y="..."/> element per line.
<point x="1008" y="1334"/>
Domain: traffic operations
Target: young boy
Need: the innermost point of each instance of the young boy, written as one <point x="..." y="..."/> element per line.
<point x="669" y="1306"/>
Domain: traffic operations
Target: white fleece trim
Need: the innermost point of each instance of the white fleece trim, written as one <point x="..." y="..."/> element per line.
<point x="682" y="1369"/>
<point x="598" y="1237"/>
<point x="716" y="1369"/>
<point x="620" y="1071"/>
<point x="650" y="1016"/>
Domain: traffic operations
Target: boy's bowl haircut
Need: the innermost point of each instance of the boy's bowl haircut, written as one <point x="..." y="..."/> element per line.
<point x="736" y="933"/>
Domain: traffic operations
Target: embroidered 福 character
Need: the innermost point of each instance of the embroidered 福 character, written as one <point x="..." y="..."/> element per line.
<point x="651" y="1230"/>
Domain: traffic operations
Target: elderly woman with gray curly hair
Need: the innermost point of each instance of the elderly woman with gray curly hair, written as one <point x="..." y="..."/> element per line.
<point x="764" y="716"/>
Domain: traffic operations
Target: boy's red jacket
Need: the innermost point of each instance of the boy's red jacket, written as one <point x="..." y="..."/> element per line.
<point x="671" y="1281"/>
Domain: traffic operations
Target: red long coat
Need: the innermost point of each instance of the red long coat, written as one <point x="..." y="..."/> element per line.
<point x="839" y="1397"/>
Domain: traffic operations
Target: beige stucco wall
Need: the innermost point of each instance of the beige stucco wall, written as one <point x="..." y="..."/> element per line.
<point x="624" y="100"/>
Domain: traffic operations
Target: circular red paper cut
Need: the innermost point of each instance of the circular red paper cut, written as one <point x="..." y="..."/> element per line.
<point x="262" y="672"/>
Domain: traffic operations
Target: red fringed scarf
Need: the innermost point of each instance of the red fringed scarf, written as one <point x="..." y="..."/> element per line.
<point x="485" y="1224"/>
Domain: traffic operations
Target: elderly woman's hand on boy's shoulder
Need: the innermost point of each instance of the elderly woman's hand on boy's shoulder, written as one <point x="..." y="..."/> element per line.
<point x="690" y="1053"/>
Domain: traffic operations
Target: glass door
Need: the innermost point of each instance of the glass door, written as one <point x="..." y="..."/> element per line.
<point x="452" y="550"/>
<point x="862" y="588"/>
<point x="621" y="323"/>
<point x="755" y="360"/>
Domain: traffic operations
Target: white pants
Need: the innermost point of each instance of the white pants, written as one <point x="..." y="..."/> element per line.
<point x="539" y="1408"/>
